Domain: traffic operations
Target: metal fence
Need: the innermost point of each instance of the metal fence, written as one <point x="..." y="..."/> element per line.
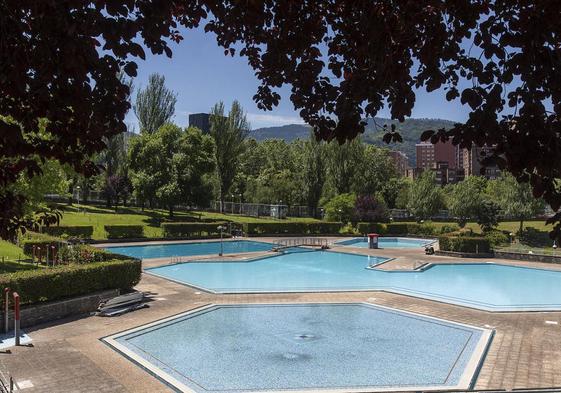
<point x="277" y="211"/>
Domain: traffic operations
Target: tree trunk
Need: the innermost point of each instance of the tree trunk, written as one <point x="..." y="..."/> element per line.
<point x="171" y="211"/>
<point x="521" y="227"/>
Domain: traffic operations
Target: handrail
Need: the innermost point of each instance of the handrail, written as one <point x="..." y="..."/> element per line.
<point x="301" y="241"/>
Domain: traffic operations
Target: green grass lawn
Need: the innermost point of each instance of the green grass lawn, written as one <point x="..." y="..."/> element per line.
<point x="149" y="218"/>
<point x="9" y="258"/>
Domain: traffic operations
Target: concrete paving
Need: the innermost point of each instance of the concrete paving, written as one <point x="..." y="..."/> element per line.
<point x="68" y="356"/>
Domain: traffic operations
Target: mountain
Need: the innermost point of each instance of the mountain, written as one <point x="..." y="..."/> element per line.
<point x="288" y="132"/>
<point x="410" y="130"/>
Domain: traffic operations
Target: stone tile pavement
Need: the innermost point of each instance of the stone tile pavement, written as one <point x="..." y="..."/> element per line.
<point x="68" y="356"/>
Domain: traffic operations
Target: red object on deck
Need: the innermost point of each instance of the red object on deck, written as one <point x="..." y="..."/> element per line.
<point x="373" y="235"/>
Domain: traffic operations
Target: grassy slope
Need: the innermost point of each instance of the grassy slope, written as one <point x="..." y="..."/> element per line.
<point x="150" y="218"/>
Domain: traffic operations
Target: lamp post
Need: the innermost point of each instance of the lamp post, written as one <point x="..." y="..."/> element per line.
<point x="240" y="195"/>
<point x="78" y="194"/>
<point x="554" y="246"/>
<point x="340" y="215"/>
<point x="221" y="228"/>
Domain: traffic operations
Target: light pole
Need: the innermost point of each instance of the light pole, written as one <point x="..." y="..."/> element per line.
<point x="240" y="195"/>
<point x="233" y="202"/>
<point x="78" y="195"/>
<point x="221" y="228"/>
<point x="340" y="215"/>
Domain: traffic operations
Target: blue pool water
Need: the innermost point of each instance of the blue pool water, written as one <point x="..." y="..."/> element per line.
<point x="190" y="249"/>
<point x="388" y="242"/>
<point x="486" y="286"/>
<point x="240" y="348"/>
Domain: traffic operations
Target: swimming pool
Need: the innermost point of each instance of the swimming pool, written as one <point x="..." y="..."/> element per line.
<point x="190" y="249"/>
<point x="273" y="347"/>
<point x="388" y="242"/>
<point x="485" y="286"/>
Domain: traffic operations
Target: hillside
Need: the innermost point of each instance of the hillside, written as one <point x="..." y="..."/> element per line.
<point x="410" y="129"/>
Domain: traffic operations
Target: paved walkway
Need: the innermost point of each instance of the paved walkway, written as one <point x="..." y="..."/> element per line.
<point x="68" y="356"/>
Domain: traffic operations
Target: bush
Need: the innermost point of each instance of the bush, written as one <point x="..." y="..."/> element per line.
<point x="292" y="228"/>
<point x="124" y="231"/>
<point x="84" y="231"/>
<point x="472" y="244"/>
<point x="81" y="254"/>
<point x="41" y="285"/>
<point x="44" y="244"/>
<point x="372" y="227"/>
<point x="341" y="208"/>
<point x="449" y="228"/>
<point x="368" y="208"/>
<point x="189" y="229"/>
<point x="497" y="238"/>
<point x="535" y="238"/>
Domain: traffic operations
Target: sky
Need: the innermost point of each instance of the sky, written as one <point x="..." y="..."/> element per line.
<point x="201" y="75"/>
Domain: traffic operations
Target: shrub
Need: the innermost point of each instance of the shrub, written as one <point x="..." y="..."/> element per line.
<point x="535" y="238"/>
<point x="371" y="227"/>
<point x="124" y="231"/>
<point x="349" y="229"/>
<point x="497" y="238"/>
<point x="49" y="284"/>
<point x="189" y="229"/>
<point x="472" y="244"/>
<point x="84" y="231"/>
<point x="341" y="208"/>
<point x="292" y="228"/>
<point x="449" y="228"/>
<point x="368" y="208"/>
<point x="81" y="254"/>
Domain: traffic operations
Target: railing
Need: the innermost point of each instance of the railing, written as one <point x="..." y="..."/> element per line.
<point x="301" y="241"/>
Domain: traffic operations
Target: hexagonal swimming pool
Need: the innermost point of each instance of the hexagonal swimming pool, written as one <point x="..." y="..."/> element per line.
<point x="352" y="347"/>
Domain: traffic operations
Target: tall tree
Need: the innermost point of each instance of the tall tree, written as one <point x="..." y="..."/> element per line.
<point x="155" y="105"/>
<point x="343" y="163"/>
<point x="465" y="198"/>
<point x="514" y="199"/>
<point x="425" y="196"/>
<point x="229" y="133"/>
<point x="170" y="166"/>
<point x="314" y="171"/>
<point x="373" y="171"/>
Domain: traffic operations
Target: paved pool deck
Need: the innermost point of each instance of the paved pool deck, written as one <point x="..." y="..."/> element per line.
<point x="68" y="356"/>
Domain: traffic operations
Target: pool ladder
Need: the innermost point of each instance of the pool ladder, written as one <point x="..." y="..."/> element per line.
<point x="175" y="259"/>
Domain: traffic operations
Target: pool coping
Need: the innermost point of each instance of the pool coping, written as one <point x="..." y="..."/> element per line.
<point x="395" y="290"/>
<point x="466" y="382"/>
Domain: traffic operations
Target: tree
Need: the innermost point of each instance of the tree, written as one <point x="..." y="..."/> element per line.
<point x="343" y="164"/>
<point x="229" y="135"/>
<point x="341" y="208"/>
<point x="170" y="165"/>
<point x="370" y="209"/>
<point x="314" y="168"/>
<point x="514" y="199"/>
<point x="465" y="199"/>
<point x="487" y="215"/>
<point x="155" y="105"/>
<point x="425" y="197"/>
<point x="334" y="85"/>
<point x="373" y="171"/>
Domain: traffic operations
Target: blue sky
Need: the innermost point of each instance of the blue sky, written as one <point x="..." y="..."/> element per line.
<point x="202" y="75"/>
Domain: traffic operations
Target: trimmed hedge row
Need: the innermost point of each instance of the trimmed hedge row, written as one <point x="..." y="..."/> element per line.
<point x="292" y="228"/>
<point x="471" y="244"/>
<point x="124" y="231"/>
<point x="39" y="240"/>
<point x="404" y="228"/>
<point x="188" y="229"/>
<point x="41" y="285"/>
<point x="83" y="231"/>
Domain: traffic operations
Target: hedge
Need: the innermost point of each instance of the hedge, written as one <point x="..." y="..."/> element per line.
<point x="40" y="240"/>
<point x="41" y="285"/>
<point x="471" y="244"/>
<point x="84" y="231"/>
<point x="84" y="253"/>
<point x="292" y="228"/>
<point x="371" y="227"/>
<point x="188" y="229"/>
<point x="124" y="231"/>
